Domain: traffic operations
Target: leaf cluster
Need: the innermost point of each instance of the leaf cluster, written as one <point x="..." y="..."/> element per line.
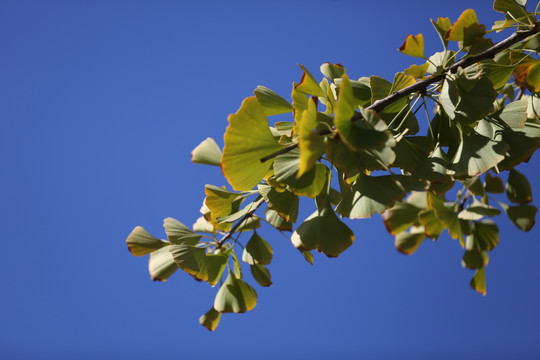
<point x="429" y="150"/>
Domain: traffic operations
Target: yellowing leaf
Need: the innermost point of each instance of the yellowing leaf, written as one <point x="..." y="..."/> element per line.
<point x="308" y="84"/>
<point x="413" y="46"/>
<point x="466" y="19"/>
<point x="247" y="140"/>
<point x="417" y="71"/>
<point x="210" y="320"/>
<point x="407" y="242"/>
<point x="311" y="144"/>
<point x="478" y="282"/>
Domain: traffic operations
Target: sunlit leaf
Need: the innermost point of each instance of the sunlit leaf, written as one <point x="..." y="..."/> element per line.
<point x="161" y="264"/>
<point x="332" y="71"/>
<point x="513" y="114"/>
<point x="448" y="216"/>
<point x="272" y="103"/>
<point x="478" y="282"/>
<point x="466" y="19"/>
<point x="308" y="84"/>
<point x="140" y="242"/>
<point x="408" y="242"/>
<point x="474" y="40"/>
<point x="518" y="189"/>
<point x="413" y="46"/>
<point x="178" y="233"/>
<point x="440" y="60"/>
<point x="324" y="232"/>
<point x="474" y="185"/>
<point x="310" y="144"/>
<point x="442" y="26"/>
<point x="207" y="152"/>
<point x="417" y="71"/>
<point x="210" y="320"/>
<point x="247" y="140"/>
<point x="237" y="269"/>
<point x="235" y="296"/>
<point x="203" y="225"/>
<point x="261" y="274"/>
<point x="497" y="73"/>
<point x="257" y="251"/>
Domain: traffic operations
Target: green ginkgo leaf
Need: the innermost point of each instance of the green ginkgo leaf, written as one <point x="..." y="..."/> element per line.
<point x="261" y="274"/>
<point x="417" y="71"/>
<point x="485" y="236"/>
<point x="210" y="320"/>
<point x="413" y="46"/>
<point x="448" y="217"/>
<point x="257" y="251"/>
<point x="442" y="25"/>
<point x="140" y="242"/>
<point x="478" y="282"/>
<point x="247" y="140"/>
<point x="400" y="217"/>
<point x="161" y="264"/>
<point x="272" y="103"/>
<point x="477" y="210"/>
<point x="332" y="71"/>
<point x="493" y="184"/>
<point x="433" y="226"/>
<point x="518" y="189"/>
<point x="178" y="233"/>
<point x="194" y="261"/>
<point x="207" y="152"/>
<point x="221" y="202"/>
<point x="369" y="195"/>
<point x="278" y="222"/>
<point x="523" y="216"/>
<point x="408" y="242"/>
<point x="285" y="203"/>
<point x="474" y="259"/>
<point x="324" y="232"/>
<point x="523" y="143"/>
<point x="235" y="296"/>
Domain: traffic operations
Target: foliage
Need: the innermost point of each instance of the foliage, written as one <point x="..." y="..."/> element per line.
<point x="356" y="148"/>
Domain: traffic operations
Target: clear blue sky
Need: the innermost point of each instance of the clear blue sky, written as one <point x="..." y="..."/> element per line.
<point x="101" y="103"/>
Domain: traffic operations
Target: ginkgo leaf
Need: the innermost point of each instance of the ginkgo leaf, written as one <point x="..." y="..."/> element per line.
<point x="485" y="236"/>
<point x="247" y="140"/>
<point x="466" y="19"/>
<point x="310" y="144"/>
<point x="478" y="282"/>
<point x="140" y="242"/>
<point x="442" y="25"/>
<point x="272" y="103"/>
<point x="210" y="320"/>
<point x="235" y="296"/>
<point x="518" y="188"/>
<point x="413" y="46"/>
<point x="477" y="211"/>
<point x="433" y="227"/>
<point x="178" y="233"/>
<point x="161" y="264"/>
<point x="261" y="274"/>
<point x="448" y="217"/>
<point x="332" y="71"/>
<point x="278" y="222"/>
<point x="400" y="217"/>
<point x="194" y="261"/>
<point x="324" y="232"/>
<point x="417" y="71"/>
<point x="408" y="242"/>
<point x="493" y="184"/>
<point x="285" y="203"/>
<point x="207" y="152"/>
<point x="523" y="216"/>
<point x="473" y="259"/>
<point x="257" y="251"/>
<point x="308" y="84"/>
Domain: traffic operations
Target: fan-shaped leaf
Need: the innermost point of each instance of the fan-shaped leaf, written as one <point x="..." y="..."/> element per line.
<point x="518" y="189"/>
<point x="207" y="152"/>
<point x="178" y="233"/>
<point x="478" y="282"/>
<point x="466" y="19"/>
<point x="413" y="46"/>
<point x="140" y="242"/>
<point x="247" y="140"/>
<point x="285" y="203"/>
<point x="257" y="251"/>
<point x="235" y="296"/>
<point x="324" y="232"/>
<point x="261" y="274"/>
<point x="161" y="264"/>
<point x="272" y="103"/>
<point x="210" y="320"/>
<point x="408" y="242"/>
<point x="308" y="84"/>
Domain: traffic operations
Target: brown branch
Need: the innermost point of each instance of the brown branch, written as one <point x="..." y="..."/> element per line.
<point x="235" y="227"/>
<point x="421" y="86"/>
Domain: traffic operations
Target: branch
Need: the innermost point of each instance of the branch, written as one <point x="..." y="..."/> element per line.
<point x="242" y="219"/>
<point x="421" y="86"/>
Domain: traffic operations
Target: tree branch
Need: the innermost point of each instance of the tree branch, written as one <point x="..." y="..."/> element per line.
<point x="421" y="86"/>
<point x="235" y="227"/>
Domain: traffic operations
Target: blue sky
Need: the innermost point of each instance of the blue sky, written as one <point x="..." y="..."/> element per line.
<point x="101" y="105"/>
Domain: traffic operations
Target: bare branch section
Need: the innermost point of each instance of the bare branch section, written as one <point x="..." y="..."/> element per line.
<point x="421" y="86"/>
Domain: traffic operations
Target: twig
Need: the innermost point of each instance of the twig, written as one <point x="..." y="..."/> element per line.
<point x="421" y="86"/>
<point x="249" y="214"/>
